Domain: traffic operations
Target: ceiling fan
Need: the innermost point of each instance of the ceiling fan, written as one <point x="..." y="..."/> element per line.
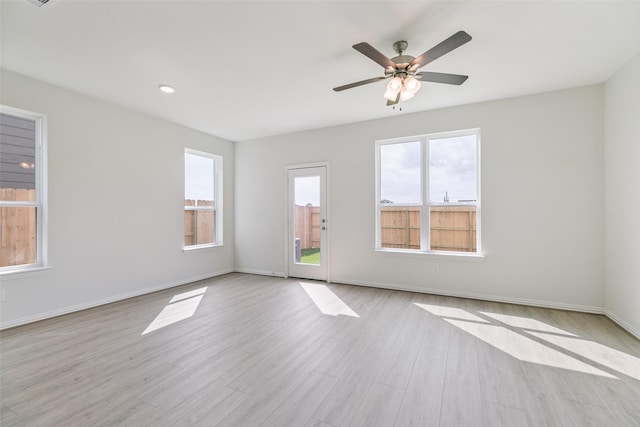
<point x="405" y="81"/>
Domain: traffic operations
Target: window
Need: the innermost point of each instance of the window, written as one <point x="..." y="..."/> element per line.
<point x="202" y="199"/>
<point x="22" y="190"/>
<point x="428" y="193"/>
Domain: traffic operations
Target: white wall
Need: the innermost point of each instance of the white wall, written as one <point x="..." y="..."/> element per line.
<point x="116" y="192"/>
<point x="542" y="197"/>
<point x="622" y="202"/>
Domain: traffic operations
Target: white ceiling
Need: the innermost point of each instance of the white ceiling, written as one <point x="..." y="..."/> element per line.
<point x="244" y="70"/>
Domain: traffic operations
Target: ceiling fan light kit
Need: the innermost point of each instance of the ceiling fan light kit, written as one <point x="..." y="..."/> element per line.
<point x="402" y="69"/>
<point x="405" y="87"/>
<point x="393" y="88"/>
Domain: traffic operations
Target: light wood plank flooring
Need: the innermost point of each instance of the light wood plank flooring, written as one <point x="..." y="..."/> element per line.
<point x="244" y="350"/>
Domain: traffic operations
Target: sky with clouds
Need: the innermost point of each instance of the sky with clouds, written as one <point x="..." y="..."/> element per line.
<point x="307" y="190"/>
<point x="452" y="170"/>
<point x="452" y="173"/>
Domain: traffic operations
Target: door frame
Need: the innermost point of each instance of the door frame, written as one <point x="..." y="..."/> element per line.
<point x="287" y="210"/>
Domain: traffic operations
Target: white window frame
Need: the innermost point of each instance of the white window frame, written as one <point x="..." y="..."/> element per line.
<point x="217" y="197"/>
<point x="41" y="202"/>
<point x="425" y="204"/>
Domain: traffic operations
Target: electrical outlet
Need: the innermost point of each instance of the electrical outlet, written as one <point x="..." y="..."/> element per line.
<point x="1" y="295"/>
<point x="436" y="270"/>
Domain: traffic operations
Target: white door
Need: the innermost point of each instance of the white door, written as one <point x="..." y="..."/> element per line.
<point x="307" y="231"/>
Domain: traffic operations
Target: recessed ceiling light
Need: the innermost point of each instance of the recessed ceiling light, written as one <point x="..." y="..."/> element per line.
<point x="166" y="88"/>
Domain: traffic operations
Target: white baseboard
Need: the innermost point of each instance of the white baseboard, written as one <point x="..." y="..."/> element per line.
<point x="622" y="323"/>
<point x="259" y="272"/>
<point x="91" y="304"/>
<point x="522" y="301"/>
<point x="471" y="295"/>
<point x="536" y="303"/>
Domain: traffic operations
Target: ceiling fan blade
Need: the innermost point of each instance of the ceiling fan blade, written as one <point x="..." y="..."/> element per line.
<point x="450" y="79"/>
<point x="371" y="52"/>
<point x="442" y="48"/>
<point x="360" y="83"/>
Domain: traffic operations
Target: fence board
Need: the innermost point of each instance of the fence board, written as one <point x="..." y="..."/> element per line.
<point x="307" y="226"/>
<point x="199" y="225"/>
<point x="400" y="227"/>
<point x="453" y="228"/>
<point x="17" y="229"/>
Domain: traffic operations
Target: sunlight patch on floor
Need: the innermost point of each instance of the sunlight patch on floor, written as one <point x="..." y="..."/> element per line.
<point x="326" y="301"/>
<point x="606" y="356"/>
<point x="185" y="295"/>
<point x="526" y="323"/>
<point x="182" y="306"/>
<point x="455" y="313"/>
<point x="525" y="349"/>
<point x="533" y="341"/>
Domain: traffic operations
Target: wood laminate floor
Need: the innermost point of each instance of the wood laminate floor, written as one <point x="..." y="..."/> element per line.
<point x="244" y="350"/>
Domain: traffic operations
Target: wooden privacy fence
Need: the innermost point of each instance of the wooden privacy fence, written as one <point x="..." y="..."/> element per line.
<point x="453" y="228"/>
<point x="17" y="228"/>
<point x="308" y="226"/>
<point x="199" y="224"/>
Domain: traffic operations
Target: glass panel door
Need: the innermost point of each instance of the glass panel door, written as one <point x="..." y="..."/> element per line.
<point x="307" y="223"/>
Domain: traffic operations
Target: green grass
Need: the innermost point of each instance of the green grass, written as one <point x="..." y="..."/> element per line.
<point x="310" y="256"/>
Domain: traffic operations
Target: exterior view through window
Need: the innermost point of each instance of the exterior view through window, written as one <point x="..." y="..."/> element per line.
<point x="307" y="219"/>
<point x="428" y="193"/>
<point x="21" y="190"/>
<point x="202" y="213"/>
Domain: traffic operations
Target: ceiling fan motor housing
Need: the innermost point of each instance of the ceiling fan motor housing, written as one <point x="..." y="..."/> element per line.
<point x="400" y="46"/>
<point x="402" y="61"/>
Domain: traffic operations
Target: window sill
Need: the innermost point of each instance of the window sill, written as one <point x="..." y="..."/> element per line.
<point x="24" y="272"/>
<point x="200" y="247"/>
<point x="451" y="256"/>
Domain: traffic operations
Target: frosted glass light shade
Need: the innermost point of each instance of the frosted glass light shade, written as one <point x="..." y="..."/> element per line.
<point x="405" y="94"/>
<point x="394" y="86"/>
<point x="411" y="84"/>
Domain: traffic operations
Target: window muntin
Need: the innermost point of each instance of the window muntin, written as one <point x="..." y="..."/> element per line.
<point x="444" y="171"/>
<point x="22" y="190"/>
<point x="202" y="200"/>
